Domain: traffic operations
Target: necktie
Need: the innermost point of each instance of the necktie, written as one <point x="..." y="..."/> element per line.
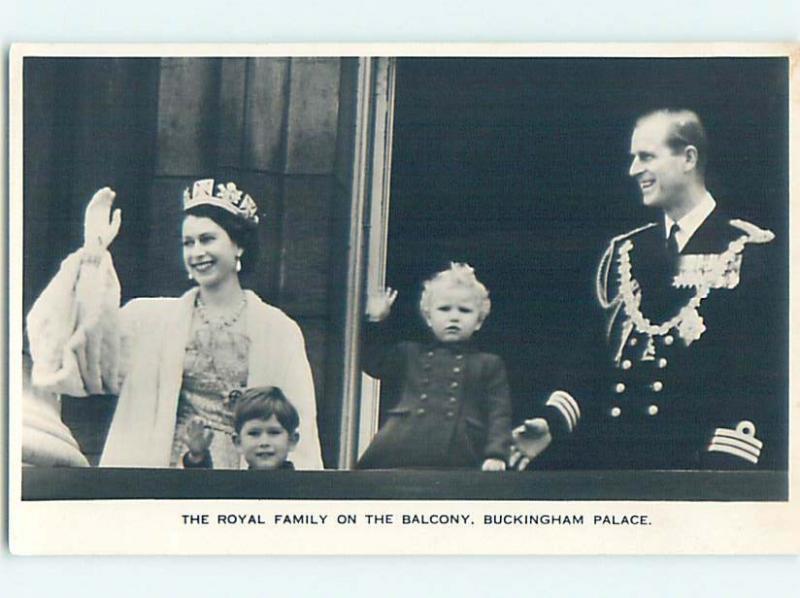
<point x="672" y="240"/>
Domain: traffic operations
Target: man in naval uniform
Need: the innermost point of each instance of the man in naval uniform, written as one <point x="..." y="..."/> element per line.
<point x="689" y="375"/>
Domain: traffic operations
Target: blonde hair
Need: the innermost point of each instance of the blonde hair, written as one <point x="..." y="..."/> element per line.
<point x="462" y="275"/>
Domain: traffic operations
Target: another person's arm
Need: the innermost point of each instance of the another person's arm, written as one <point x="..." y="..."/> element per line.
<point x="73" y="327"/>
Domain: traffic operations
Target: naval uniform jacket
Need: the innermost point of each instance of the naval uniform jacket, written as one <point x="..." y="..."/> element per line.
<point x="449" y="404"/>
<point x="691" y="370"/>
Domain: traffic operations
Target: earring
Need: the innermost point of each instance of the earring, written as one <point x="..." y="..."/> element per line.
<point x="238" y="263"/>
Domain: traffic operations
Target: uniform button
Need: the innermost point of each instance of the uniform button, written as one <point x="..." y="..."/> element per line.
<point x="430" y="353"/>
<point x="657" y="386"/>
<point x="633" y="342"/>
<point x="456" y="370"/>
<point x="426" y="366"/>
<point x="668" y="340"/>
<point x="662" y="363"/>
<point x="652" y="410"/>
<point x="619" y="388"/>
<point x="423" y="396"/>
<point x="452" y="399"/>
<point x="420" y="411"/>
<point x="454" y="384"/>
<point x="450" y="414"/>
<point x="626" y="364"/>
<point x="459" y="356"/>
<point x="615" y="412"/>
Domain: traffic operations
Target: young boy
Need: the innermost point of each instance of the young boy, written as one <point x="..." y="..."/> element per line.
<point x="450" y="403"/>
<point x="265" y="431"/>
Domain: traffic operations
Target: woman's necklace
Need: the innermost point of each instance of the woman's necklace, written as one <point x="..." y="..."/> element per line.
<point x="224" y="320"/>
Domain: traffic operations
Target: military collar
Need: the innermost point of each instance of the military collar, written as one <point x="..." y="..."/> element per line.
<point x="688" y="225"/>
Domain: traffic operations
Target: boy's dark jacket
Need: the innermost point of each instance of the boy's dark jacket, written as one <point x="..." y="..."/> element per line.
<point x="208" y="463"/>
<point x="448" y="404"/>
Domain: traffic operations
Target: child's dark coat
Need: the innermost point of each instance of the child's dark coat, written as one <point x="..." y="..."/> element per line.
<point x="451" y="408"/>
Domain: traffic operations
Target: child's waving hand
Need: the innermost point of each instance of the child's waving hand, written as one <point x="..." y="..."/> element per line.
<point x="379" y="304"/>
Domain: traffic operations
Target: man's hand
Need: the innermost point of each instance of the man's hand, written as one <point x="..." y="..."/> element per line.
<point x="198" y="438"/>
<point x="529" y="440"/>
<point x="379" y="304"/>
<point x="99" y="226"/>
<point x="493" y="465"/>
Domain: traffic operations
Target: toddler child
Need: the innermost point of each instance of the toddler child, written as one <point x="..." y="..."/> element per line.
<point x="449" y="403"/>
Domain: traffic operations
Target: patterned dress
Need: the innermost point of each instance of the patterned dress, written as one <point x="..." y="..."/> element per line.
<point x="153" y="355"/>
<point x="214" y="373"/>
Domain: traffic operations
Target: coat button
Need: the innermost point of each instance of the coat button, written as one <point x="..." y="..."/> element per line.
<point x="423" y="396"/>
<point x="454" y="384"/>
<point x="615" y="412"/>
<point x="459" y="357"/>
<point x="662" y="362"/>
<point x="430" y="353"/>
<point x="633" y="342"/>
<point x="420" y="411"/>
<point x="657" y="386"/>
<point x="652" y="410"/>
<point x="452" y="399"/>
<point x="450" y="414"/>
<point x="619" y="388"/>
<point x="668" y="340"/>
<point x="626" y="364"/>
<point x="456" y="370"/>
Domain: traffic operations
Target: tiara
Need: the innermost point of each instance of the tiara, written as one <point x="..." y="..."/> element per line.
<point x="227" y="197"/>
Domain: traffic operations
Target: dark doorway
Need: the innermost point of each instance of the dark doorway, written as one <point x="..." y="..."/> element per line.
<point x="519" y="167"/>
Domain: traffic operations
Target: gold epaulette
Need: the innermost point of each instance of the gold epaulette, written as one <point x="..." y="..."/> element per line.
<point x="632" y="232"/>
<point x="754" y="233"/>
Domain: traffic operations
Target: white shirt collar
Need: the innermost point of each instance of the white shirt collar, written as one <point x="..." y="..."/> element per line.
<point x="689" y="224"/>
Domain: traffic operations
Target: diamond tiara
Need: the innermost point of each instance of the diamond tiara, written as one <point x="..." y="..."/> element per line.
<point x="227" y="197"/>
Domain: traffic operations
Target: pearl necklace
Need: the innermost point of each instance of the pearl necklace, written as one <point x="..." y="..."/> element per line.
<point x="222" y="321"/>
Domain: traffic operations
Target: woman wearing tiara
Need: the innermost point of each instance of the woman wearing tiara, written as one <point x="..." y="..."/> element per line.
<point x="172" y="361"/>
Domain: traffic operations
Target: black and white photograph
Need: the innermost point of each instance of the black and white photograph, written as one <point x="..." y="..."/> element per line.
<point x="526" y="279"/>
